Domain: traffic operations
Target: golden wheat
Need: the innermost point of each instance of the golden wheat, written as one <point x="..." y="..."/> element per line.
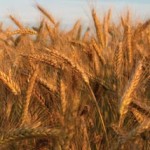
<point x="64" y="86"/>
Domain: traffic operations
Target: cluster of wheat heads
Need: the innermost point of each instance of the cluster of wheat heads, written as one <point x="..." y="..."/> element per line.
<point x="73" y="91"/>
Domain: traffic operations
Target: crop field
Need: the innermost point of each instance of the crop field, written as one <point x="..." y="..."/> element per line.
<point x="75" y="90"/>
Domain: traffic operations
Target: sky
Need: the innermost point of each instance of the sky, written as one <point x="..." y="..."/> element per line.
<point x="68" y="11"/>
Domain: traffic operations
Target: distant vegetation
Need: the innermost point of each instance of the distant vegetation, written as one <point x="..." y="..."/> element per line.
<point x="73" y="91"/>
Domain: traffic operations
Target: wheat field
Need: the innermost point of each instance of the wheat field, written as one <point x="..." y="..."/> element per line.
<point x="69" y="90"/>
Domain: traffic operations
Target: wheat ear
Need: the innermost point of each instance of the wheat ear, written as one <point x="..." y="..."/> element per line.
<point x="98" y="27"/>
<point x="22" y="31"/>
<point x="98" y="51"/>
<point x="44" y="59"/>
<point x="63" y="96"/>
<point x="28" y="97"/>
<point x="131" y="87"/>
<point x="129" y="42"/>
<point x="43" y="82"/>
<point x="119" y="60"/>
<point x="106" y="26"/>
<point x="86" y="35"/>
<point x="10" y="83"/>
<point x="28" y="132"/>
<point x="73" y="65"/>
<point x="139" y="117"/>
<point x="16" y="21"/>
<point x="144" y="126"/>
<point x="52" y="20"/>
<point x="140" y="29"/>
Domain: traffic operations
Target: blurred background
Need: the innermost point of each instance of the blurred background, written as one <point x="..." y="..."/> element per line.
<point x="68" y="11"/>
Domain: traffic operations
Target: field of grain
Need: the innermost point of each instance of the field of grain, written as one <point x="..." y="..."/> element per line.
<point x="69" y="90"/>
